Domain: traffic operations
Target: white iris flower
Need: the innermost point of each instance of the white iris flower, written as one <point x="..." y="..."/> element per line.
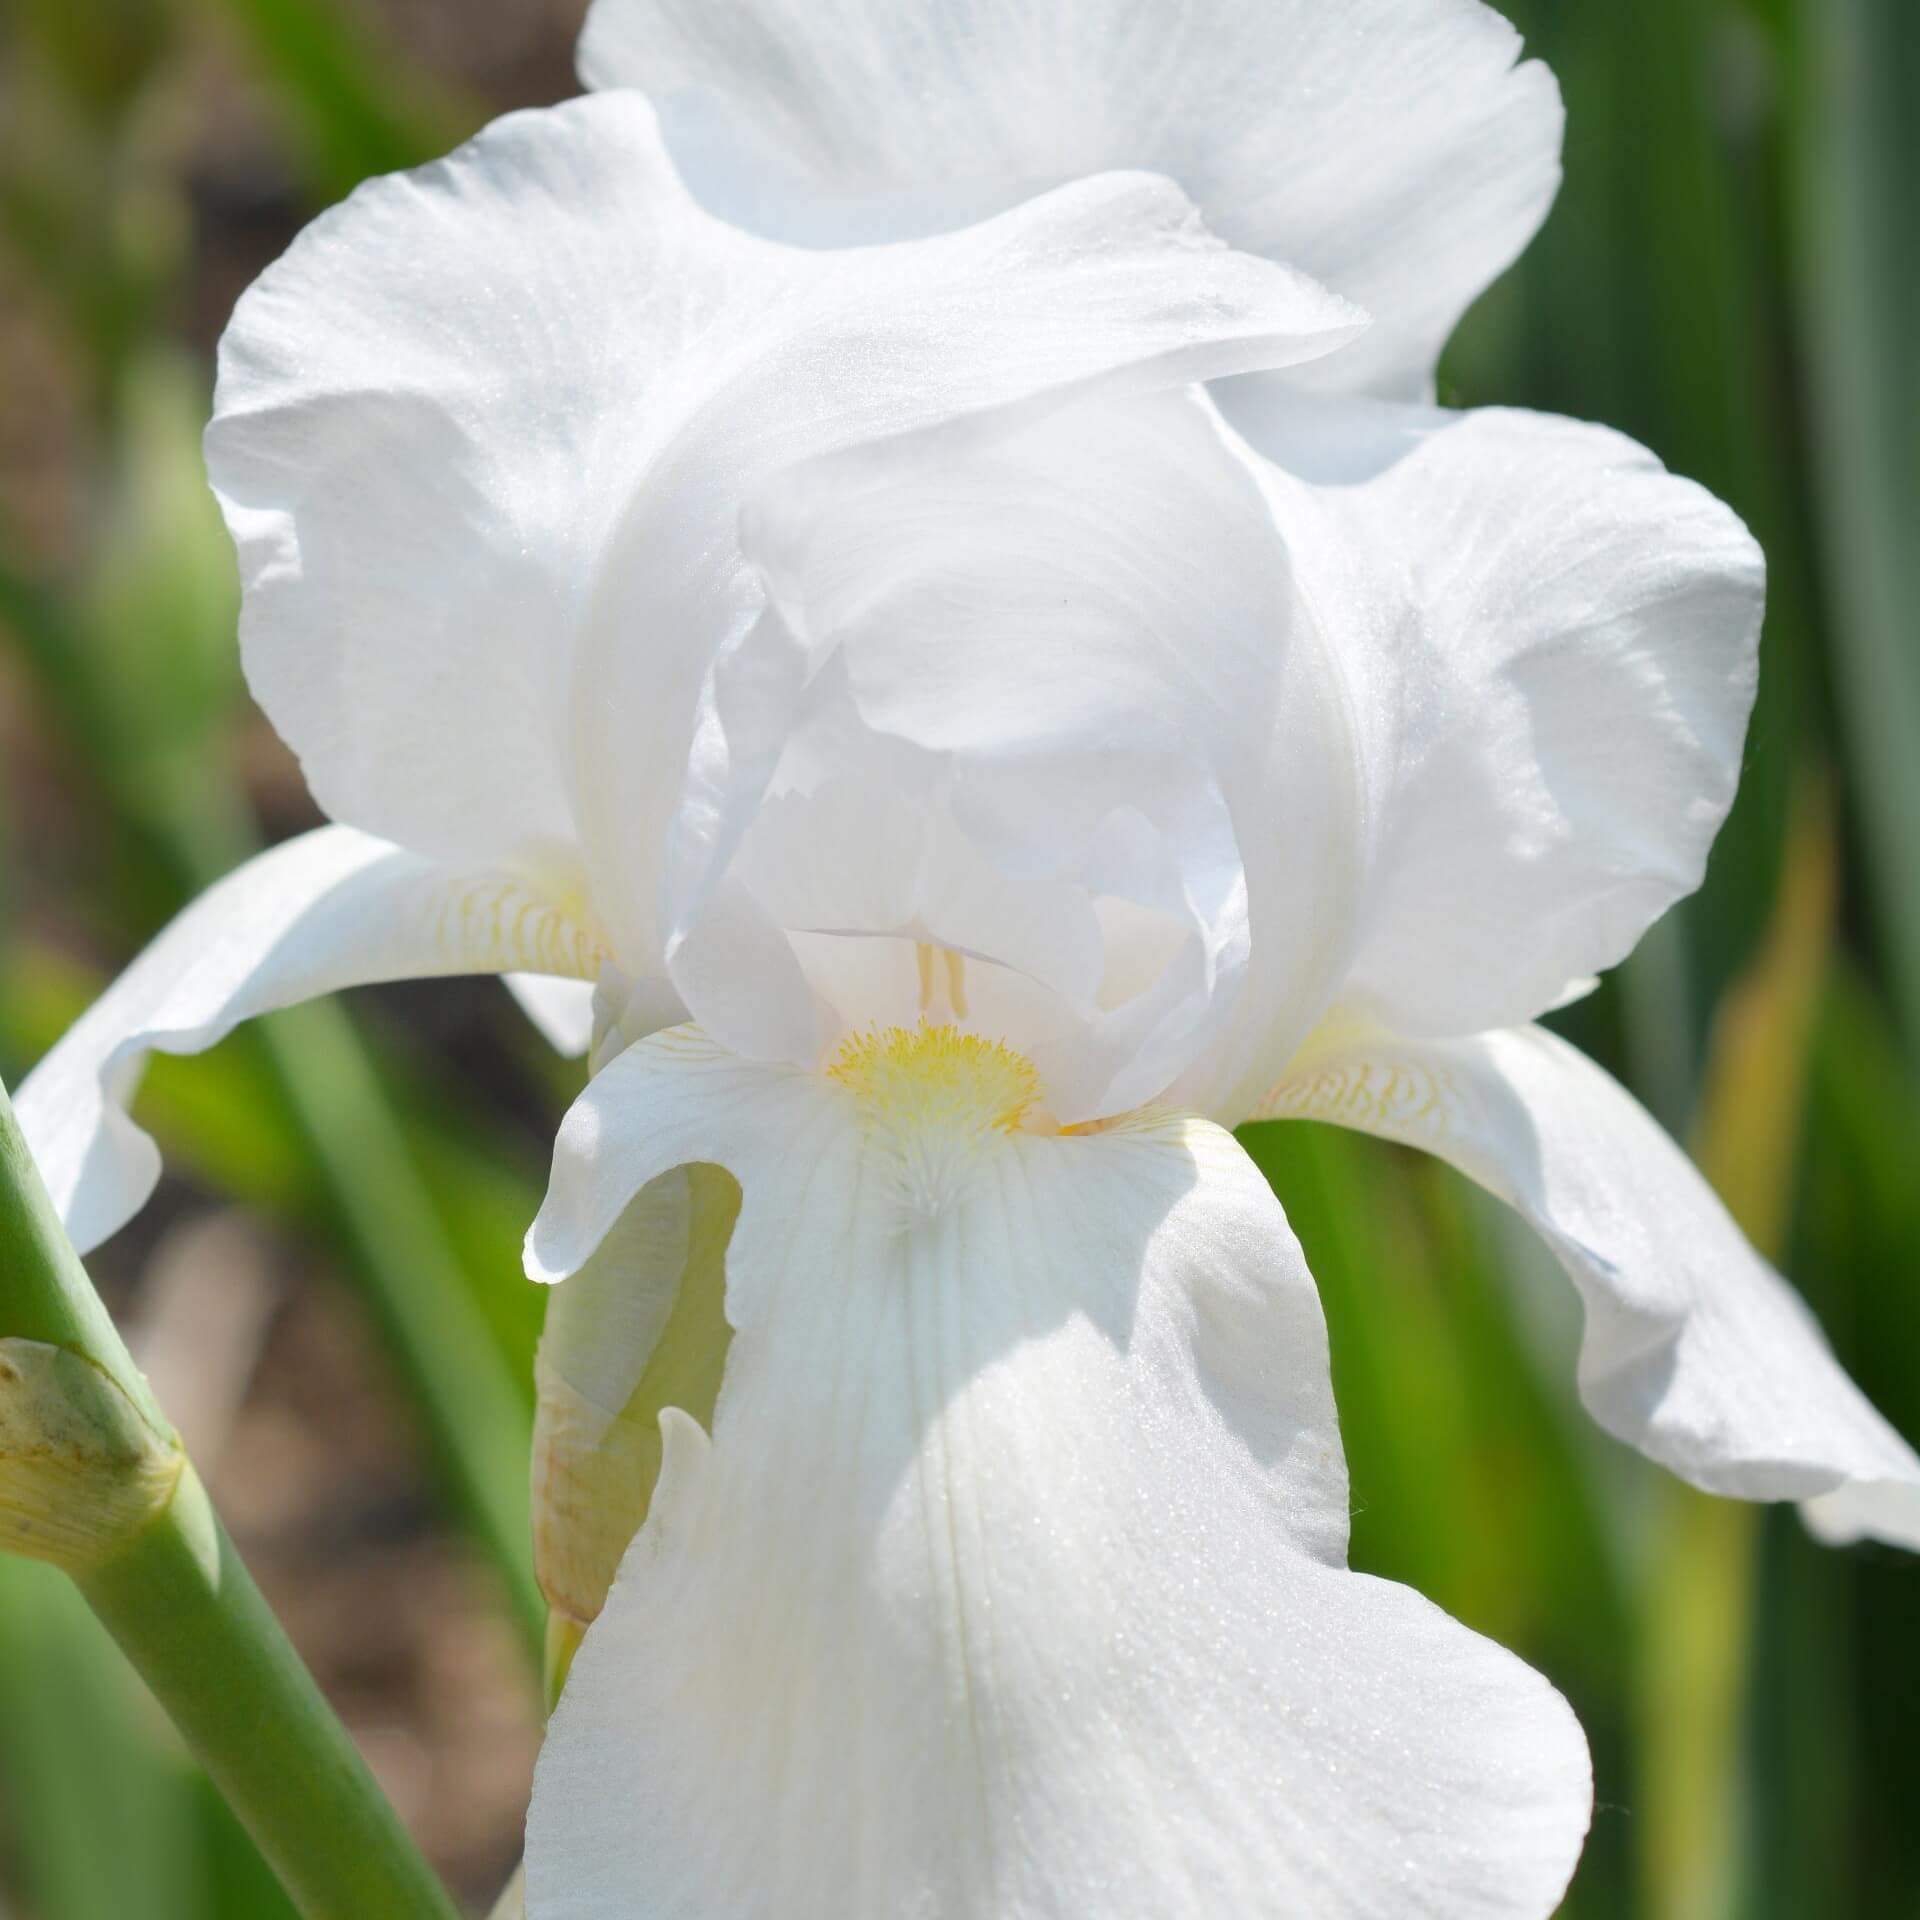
<point x="771" y="569"/>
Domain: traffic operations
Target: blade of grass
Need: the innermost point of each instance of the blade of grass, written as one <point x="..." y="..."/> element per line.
<point x="1850" y="1773"/>
<point x="76" y="1758"/>
<point x="1466" y="1482"/>
<point x="1856" y="152"/>
<point x="1810" y="1711"/>
<point x="1651" y="302"/>
<point x="357" y="108"/>
<point x="1698" y="1623"/>
<point x="1399" y="1400"/>
<point x="478" y="1414"/>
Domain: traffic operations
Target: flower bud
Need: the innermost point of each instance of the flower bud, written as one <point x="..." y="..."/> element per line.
<point x="82" y="1469"/>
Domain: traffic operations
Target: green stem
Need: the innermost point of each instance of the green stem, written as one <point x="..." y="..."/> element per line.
<point x="187" y="1614"/>
<point x="48" y="1296"/>
<point x="173" y="1593"/>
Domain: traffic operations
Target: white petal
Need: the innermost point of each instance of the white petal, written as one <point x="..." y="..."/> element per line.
<point x="1696" y="1351"/>
<point x="419" y="439"/>
<point x="1011" y="1579"/>
<point x="1886" y="1510"/>
<point x="1551" y="648"/>
<point x="1392" y="148"/>
<point x="1103" y="288"/>
<point x="334" y="908"/>
<point x="1046" y="701"/>
<point x="561" y="1009"/>
<point x="485" y="433"/>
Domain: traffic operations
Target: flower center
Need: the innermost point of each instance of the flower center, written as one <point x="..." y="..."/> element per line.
<point x="931" y="1097"/>
<point x="936" y="1077"/>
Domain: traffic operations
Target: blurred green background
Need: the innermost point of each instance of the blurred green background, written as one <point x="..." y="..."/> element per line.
<point x="327" y="1289"/>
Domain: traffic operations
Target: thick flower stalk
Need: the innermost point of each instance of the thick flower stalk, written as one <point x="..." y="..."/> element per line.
<point x="920" y="588"/>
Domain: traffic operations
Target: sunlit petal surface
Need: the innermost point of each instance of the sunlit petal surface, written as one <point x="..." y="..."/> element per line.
<point x="1550" y="645"/>
<point x="1011" y="1578"/>
<point x="485" y="434"/>
<point x="1396" y="149"/>
<point x="335" y="908"/>
<point x="1695" y="1350"/>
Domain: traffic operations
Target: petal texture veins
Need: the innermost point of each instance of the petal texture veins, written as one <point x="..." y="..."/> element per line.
<point x="1391" y="148"/>
<point x="1011" y="1579"/>
<point x="1032" y="731"/>
<point x="1550" y="645"/>
<point x="1695" y="1350"/>
<point x="484" y="436"/>
<point x="335" y="908"/>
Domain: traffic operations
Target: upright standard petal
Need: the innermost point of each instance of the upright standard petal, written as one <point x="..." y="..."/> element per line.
<point x="1391" y="148"/>
<point x="1551" y="648"/>
<point x="1046" y="703"/>
<point x="334" y="908"/>
<point x="1695" y="1350"/>
<point x="1011" y="1579"/>
<point x="484" y="436"/>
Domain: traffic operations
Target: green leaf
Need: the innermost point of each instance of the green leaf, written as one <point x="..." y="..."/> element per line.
<point x="354" y="106"/>
<point x="1856" y="159"/>
<point x="80" y="1760"/>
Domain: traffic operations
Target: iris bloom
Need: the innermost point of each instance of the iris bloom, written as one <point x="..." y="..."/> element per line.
<point x="771" y="569"/>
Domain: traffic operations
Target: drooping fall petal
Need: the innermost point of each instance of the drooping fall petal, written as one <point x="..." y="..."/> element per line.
<point x="335" y="908"/>
<point x="1011" y="1577"/>
<point x="1695" y="1350"/>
